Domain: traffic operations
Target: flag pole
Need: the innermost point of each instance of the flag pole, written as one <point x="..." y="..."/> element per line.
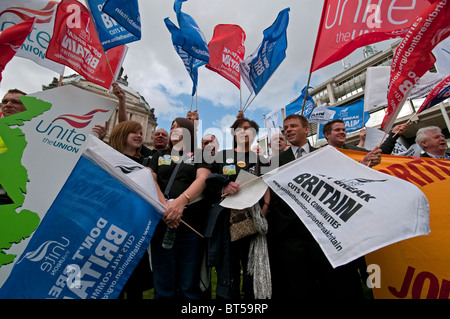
<point x="246" y="107"/>
<point x="251" y="93"/>
<point x="307" y="89"/>
<point x="196" y="99"/>
<point x="240" y="96"/>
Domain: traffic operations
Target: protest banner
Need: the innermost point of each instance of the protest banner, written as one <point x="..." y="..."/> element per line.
<point x="226" y="51"/>
<point x="345" y="27"/>
<point x="417" y="267"/>
<point x="93" y="235"/>
<point x="35" y="46"/>
<point x="42" y="149"/>
<point x="11" y="39"/>
<point x="353" y="116"/>
<point x="110" y="33"/>
<point x="413" y="57"/>
<point x="75" y="43"/>
<point x="349" y="211"/>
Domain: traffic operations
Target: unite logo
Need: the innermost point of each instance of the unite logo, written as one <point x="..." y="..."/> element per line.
<point x="51" y="254"/>
<point x="66" y="138"/>
<point x="43" y="15"/>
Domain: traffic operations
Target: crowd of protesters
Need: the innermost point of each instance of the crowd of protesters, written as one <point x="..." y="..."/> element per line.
<point x="193" y="237"/>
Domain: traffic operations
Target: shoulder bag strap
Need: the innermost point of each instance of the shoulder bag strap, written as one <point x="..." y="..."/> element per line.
<point x="172" y="178"/>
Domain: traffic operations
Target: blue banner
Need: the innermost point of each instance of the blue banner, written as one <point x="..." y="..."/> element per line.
<point x="111" y="33"/>
<point x="126" y="13"/>
<point x="192" y="64"/>
<point x="88" y="243"/>
<point x="353" y="116"/>
<point x="296" y="106"/>
<point x="194" y="42"/>
<point x="271" y="52"/>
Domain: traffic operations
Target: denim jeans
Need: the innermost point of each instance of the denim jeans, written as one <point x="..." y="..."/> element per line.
<point x="176" y="271"/>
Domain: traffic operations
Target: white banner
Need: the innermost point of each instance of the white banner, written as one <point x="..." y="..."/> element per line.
<point x="35" y="46"/>
<point x="349" y="209"/>
<point x="45" y="142"/>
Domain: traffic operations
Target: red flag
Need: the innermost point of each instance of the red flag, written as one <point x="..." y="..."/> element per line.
<point x="11" y="39"/>
<point x="344" y="27"/>
<point x="413" y="56"/>
<point x="440" y="93"/>
<point x="75" y="43"/>
<point x="226" y="51"/>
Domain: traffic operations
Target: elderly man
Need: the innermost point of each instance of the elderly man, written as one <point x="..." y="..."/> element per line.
<point x="432" y="142"/>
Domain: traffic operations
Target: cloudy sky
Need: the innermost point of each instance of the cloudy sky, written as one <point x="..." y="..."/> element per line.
<point x="156" y="71"/>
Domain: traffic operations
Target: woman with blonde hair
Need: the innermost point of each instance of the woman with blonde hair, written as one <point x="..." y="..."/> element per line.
<point x="126" y="137"/>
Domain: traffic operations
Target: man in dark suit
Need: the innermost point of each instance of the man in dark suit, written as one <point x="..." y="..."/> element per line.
<point x="299" y="269"/>
<point x="432" y="142"/>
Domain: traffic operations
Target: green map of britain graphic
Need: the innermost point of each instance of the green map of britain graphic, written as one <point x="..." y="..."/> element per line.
<point x="16" y="224"/>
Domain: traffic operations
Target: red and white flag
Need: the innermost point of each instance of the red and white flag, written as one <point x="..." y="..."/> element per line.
<point x="11" y="39"/>
<point x="75" y="43"/>
<point x="440" y="93"/>
<point x="35" y="46"/>
<point x="226" y="51"/>
<point x="413" y="57"/>
<point x="348" y="25"/>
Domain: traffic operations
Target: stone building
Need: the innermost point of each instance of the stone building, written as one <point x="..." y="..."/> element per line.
<point x="137" y="107"/>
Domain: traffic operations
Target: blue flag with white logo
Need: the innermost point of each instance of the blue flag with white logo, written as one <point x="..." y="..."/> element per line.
<point x="91" y="239"/>
<point x="110" y="32"/>
<point x="353" y="116"/>
<point x="296" y="106"/>
<point x="192" y="64"/>
<point x="126" y="13"/>
<point x="270" y="53"/>
<point x="193" y="39"/>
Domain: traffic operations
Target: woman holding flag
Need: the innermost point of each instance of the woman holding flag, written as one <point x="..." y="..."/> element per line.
<point x="176" y="246"/>
<point x="126" y="137"/>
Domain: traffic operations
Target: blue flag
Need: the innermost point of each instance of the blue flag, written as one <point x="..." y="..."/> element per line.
<point x="126" y="13"/>
<point x="192" y="64"/>
<point x="352" y="115"/>
<point x="89" y="242"/>
<point x="270" y="53"/>
<point x="111" y="33"/>
<point x="194" y="42"/>
<point x="296" y="106"/>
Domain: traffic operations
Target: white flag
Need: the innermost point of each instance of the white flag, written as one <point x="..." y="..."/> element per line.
<point x="272" y="124"/>
<point x="353" y="210"/>
<point x="321" y="115"/>
<point x="442" y="54"/>
<point x="377" y="81"/>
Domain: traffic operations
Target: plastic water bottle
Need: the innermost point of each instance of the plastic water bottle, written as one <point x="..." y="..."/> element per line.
<point x="169" y="238"/>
